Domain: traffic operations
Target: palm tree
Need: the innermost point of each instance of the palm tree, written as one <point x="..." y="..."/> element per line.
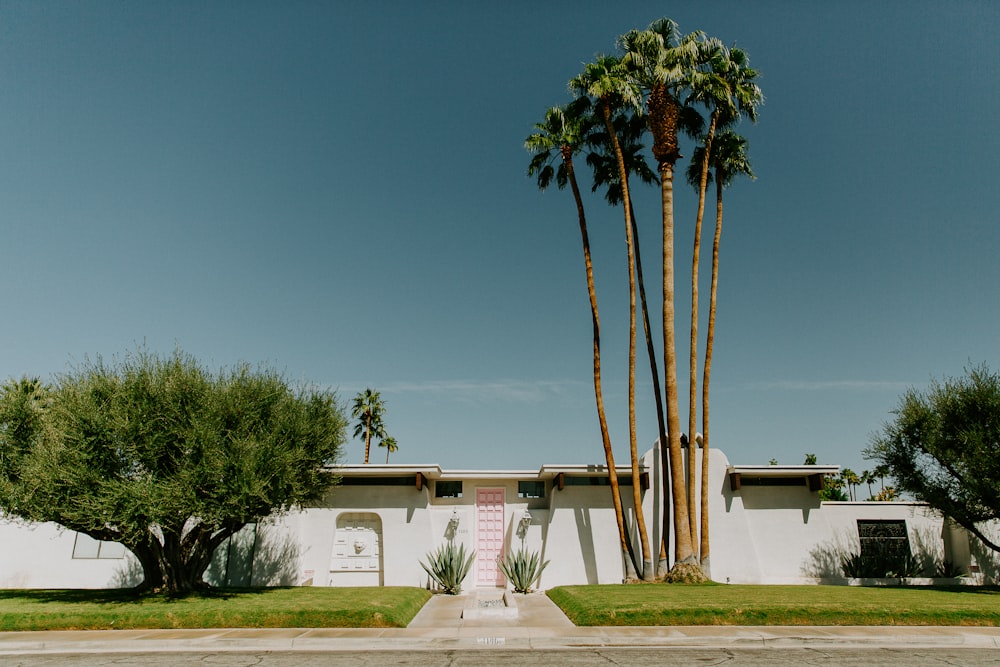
<point x="867" y="477"/>
<point x="660" y="59"/>
<point x="728" y="156"/>
<point x="369" y="410"/>
<point x="630" y="127"/>
<point x="881" y="471"/>
<point x="390" y="446"/>
<point x="559" y="137"/>
<point x="722" y="81"/>
<point x="607" y="82"/>
<point x="851" y="479"/>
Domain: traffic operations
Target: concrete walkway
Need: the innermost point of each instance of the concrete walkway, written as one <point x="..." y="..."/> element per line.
<point x="539" y="624"/>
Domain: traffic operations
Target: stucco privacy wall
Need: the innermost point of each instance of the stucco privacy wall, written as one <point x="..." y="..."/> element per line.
<point x="375" y="531"/>
<point x="40" y="555"/>
<point x="786" y="535"/>
<point x="574" y="529"/>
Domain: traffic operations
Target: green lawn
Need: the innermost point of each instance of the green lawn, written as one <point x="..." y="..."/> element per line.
<point x="664" y="604"/>
<point x="305" y="607"/>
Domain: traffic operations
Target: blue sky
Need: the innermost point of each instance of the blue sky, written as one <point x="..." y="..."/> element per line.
<point x="338" y="190"/>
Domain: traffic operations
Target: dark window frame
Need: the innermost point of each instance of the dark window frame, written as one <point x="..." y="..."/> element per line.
<point x="448" y="489"/>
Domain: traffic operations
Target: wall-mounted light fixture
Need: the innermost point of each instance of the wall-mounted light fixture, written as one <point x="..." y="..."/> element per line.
<point x="523" y="523"/>
<point x="452" y="529"/>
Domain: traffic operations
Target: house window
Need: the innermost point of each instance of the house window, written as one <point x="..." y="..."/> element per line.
<point x="531" y="489"/>
<point x="883" y="538"/>
<point x="448" y="489"/>
<point x="87" y="547"/>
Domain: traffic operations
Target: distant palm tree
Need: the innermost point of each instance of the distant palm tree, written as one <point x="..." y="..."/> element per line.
<point x="851" y="479"/>
<point x="881" y="471"/>
<point x="390" y="446"/>
<point x="369" y="410"/>
<point x="867" y="477"/>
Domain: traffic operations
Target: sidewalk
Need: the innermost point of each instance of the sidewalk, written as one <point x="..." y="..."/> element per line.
<point x="540" y="624"/>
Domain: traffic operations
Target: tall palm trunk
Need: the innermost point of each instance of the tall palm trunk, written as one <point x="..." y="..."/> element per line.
<point x="598" y="391"/>
<point x="647" y="560"/>
<point x="661" y="565"/>
<point x="663" y="112"/>
<point x="706" y="563"/>
<point x="693" y="359"/>
<point x="368" y="438"/>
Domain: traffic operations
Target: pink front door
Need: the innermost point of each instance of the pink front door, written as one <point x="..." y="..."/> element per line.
<point x="489" y="536"/>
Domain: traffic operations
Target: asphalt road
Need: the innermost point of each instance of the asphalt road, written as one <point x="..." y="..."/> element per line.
<point x="582" y="657"/>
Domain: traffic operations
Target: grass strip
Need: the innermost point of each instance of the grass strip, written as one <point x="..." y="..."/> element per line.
<point x="299" y="607"/>
<point x="676" y="604"/>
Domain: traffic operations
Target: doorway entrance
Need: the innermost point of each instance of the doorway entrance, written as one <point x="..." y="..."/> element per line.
<point x="489" y="536"/>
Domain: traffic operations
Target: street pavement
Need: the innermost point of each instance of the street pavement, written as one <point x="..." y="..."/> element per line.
<point x="442" y="628"/>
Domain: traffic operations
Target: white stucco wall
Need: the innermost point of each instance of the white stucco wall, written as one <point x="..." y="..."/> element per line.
<point x="759" y="534"/>
<point x="41" y="556"/>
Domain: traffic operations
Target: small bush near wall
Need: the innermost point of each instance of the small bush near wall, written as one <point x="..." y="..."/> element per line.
<point x="880" y="561"/>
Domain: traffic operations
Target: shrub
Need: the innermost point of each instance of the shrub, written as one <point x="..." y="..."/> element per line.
<point x="449" y="566"/>
<point x="881" y="563"/>
<point x="522" y="569"/>
<point x="949" y="570"/>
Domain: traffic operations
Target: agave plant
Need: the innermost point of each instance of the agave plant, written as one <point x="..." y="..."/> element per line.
<point x="448" y="566"/>
<point x="522" y="569"/>
<point x="949" y="570"/>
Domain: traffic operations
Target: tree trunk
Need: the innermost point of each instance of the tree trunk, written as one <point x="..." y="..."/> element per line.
<point x="693" y="359"/>
<point x="663" y="114"/>
<point x="709" y="347"/>
<point x="368" y="437"/>
<point x="647" y="560"/>
<point x="598" y="392"/>
<point x="661" y="565"/>
<point x="152" y="573"/>
<point x="683" y="548"/>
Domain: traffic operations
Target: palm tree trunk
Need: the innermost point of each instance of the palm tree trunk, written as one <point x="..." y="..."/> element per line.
<point x="705" y="549"/>
<point x="683" y="547"/>
<point x="647" y="560"/>
<point x="368" y="439"/>
<point x="693" y="358"/>
<point x="598" y="392"/>
<point x="661" y="566"/>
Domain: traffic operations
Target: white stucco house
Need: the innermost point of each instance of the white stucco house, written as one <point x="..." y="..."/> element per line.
<point x="767" y="525"/>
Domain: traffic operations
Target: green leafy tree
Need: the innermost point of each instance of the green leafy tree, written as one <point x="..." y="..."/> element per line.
<point x="390" y="445"/>
<point x="164" y="456"/>
<point x="810" y="460"/>
<point x="369" y="410"/>
<point x="943" y="448"/>
<point x="833" y="489"/>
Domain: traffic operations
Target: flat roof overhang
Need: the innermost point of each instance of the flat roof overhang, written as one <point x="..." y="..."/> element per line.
<point x="813" y="474"/>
